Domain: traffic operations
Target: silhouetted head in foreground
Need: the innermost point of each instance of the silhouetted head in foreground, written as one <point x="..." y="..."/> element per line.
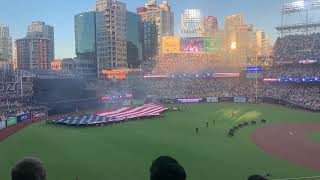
<point x="167" y="168"/>
<point x="28" y="169"/>
<point x="257" y="177"/>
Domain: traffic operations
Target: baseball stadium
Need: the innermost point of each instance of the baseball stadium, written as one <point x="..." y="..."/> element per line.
<point x="210" y="103"/>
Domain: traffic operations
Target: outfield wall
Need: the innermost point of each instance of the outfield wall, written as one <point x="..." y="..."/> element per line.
<point x="237" y="99"/>
<point x="14" y="123"/>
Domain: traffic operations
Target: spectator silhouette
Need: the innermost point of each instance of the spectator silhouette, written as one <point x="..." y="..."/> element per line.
<point x="29" y="169"/>
<point x="167" y="168"/>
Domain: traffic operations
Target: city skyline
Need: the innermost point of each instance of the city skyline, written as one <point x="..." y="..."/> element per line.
<point x="59" y="14"/>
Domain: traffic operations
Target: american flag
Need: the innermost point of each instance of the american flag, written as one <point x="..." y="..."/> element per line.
<point x="133" y="112"/>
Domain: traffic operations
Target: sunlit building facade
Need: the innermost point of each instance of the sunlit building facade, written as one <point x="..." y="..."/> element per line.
<point x="262" y="43"/>
<point x="233" y="21"/>
<point x="239" y="39"/>
<point x="32" y="54"/>
<point x="210" y="24"/>
<point x="39" y="29"/>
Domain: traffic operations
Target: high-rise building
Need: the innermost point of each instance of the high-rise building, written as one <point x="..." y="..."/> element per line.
<point x="233" y="21"/>
<point x="85" y="33"/>
<point x="157" y="21"/>
<point x="85" y="42"/>
<point x="39" y="29"/>
<point x="111" y="34"/>
<point x="239" y="39"/>
<point x="210" y="24"/>
<point x="262" y="43"/>
<point x="32" y="53"/>
<point x="5" y="43"/>
<point x="134" y="39"/>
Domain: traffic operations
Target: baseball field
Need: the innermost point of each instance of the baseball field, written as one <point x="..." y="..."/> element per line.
<point x="282" y="147"/>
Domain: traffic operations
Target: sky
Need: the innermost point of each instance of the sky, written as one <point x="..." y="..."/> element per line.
<point x="18" y="14"/>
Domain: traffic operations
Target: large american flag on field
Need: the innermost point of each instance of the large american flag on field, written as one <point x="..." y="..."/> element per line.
<point x="133" y="112"/>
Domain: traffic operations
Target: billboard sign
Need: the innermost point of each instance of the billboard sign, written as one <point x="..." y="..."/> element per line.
<point x="212" y="44"/>
<point x="240" y="99"/>
<point x="254" y="68"/>
<point x="194" y="100"/>
<point x="212" y="99"/>
<point x="39" y="114"/>
<point x="192" y="44"/>
<point x="225" y="99"/>
<point x="3" y="124"/>
<point x="170" y="44"/>
<point x="24" y="117"/>
<point x="11" y="121"/>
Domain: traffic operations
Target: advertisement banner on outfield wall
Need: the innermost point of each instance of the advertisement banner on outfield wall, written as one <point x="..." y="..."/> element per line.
<point x="24" y="117"/>
<point x="3" y="124"/>
<point x="168" y="101"/>
<point x="240" y="99"/>
<point x="11" y="121"/>
<point x="225" y="99"/>
<point x="190" y="100"/>
<point x="212" y="99"/>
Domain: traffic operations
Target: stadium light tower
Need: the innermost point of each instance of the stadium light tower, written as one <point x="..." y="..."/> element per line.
<point x="191" y="23"/>
<point x="305" y="9"/>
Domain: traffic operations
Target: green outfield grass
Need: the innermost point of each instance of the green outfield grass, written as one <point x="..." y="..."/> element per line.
<point x="125" y="151"/>
<point x="315" y="136"/>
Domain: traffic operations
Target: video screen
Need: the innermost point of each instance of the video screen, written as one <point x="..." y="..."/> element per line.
<point x="192" y="44"/>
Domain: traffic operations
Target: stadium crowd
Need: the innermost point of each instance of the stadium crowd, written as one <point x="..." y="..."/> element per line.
<point x="303" y="94"/>
<point x="200" y="87"/>
<point x="292" y="54"/>
<point x="294" y="71"/>
<point x="297" y="47"/>
<point x="165" y="64"/>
